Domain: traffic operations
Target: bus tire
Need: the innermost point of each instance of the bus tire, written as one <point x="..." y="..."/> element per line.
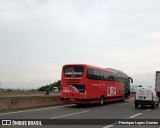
<point x="136" y="106"/>
<point x="153" y="106"/>
<point x="124" y="99"/>
<point x="79" y="105"/>
<point x="157" y="105"/>
<point x="102" y="100"/>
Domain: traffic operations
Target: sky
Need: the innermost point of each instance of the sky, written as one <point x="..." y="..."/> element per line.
<point x="37" y="37"/>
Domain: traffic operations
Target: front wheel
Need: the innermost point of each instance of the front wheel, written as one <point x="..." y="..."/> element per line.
<point x="153" y="106"/>
<point x="136" y="105"/>
<point x="124" y="98"/>
<point x="157" y="105"/>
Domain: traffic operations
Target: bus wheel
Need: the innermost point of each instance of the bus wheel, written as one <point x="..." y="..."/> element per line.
<point x="124" y="99"/>
<point x="153" y="106"/>
<point x="79" y="105"/>
<point x="136" y="105"/>
<point x="102" y="100"/>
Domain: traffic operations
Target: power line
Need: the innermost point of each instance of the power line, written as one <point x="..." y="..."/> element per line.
<point x="18" y="77"/>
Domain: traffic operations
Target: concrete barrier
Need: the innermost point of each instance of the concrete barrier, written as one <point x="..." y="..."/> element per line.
<point x="11" y="103"/>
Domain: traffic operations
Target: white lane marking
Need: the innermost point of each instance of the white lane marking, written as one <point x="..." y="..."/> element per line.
<point x="36" y="109"/>
<point x="108" y="126"/>
<point x="70" y="114"/>
<point x="148" y="110"/>
<point x="135" y="115"/>
<point x="123" y="103"/>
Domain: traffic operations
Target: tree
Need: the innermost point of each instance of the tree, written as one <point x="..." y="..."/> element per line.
<point x="50" y="86"/>
<point x="43" y="88"/>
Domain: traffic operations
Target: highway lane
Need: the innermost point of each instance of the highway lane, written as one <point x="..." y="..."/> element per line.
<point x="118" y="110"/>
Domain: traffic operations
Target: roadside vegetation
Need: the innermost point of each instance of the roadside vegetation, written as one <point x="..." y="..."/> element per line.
<point x="50" y="86"/>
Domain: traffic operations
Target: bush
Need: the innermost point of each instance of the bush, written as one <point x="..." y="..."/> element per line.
<point x="50" y="86"/>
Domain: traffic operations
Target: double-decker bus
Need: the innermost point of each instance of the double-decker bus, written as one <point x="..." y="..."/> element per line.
<point x="86" y="84"/>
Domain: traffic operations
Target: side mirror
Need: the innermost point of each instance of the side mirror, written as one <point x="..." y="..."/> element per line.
<point x="130" y="79"/>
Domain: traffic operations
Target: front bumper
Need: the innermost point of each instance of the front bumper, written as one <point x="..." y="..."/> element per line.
<point x="144" y="102"/>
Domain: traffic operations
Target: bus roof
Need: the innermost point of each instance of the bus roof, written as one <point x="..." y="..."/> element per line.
<point x="118" y="71"/>
<point x="95" y="67"/>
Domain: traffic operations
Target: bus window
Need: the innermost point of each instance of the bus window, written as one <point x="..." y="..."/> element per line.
<point x="90" y="73"/>
<point x="94" y="74"/>
<point x="73" y="71"/>
<point x="99" y="75"/>
<point x="126" y="81"/>
<point x="103" y="75"/>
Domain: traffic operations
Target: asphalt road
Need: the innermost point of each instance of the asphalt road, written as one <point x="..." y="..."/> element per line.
<point x="118" y="110"/>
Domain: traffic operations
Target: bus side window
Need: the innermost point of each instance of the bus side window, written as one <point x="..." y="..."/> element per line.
<point x="115" y="78"/>
<point x="102" y="75"/>
<point x="112" y="77"/>
<point x="120" y="79"/>
<point x="90" y="74"/>
<point x="94" y="74"/>
<point x="109" y="76"/>
<point x="106" y="76"/>
<point x="126" y="81"/>
<point x="98" y="75"/>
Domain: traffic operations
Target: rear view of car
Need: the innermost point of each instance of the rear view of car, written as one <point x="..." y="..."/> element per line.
<point x="146" y="96"/>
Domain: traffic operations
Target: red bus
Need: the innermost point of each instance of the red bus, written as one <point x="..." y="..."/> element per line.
<point x="86" y="84"/>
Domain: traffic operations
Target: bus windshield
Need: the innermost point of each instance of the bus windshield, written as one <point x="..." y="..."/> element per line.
<point x="73" y="71"/>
